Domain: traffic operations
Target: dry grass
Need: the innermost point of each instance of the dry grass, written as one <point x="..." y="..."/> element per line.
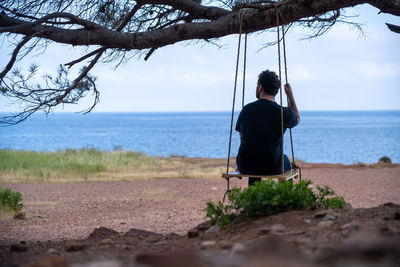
<point x="91" y="165"/>
<point x="6" y="215"/>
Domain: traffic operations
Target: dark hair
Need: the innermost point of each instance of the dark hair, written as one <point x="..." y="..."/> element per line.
<point x="269" y="81"/>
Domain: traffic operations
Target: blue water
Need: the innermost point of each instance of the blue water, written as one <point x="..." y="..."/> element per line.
<point x="331" y="137"/>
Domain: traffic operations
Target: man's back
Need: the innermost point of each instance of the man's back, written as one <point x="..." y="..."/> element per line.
<point x="260" y="126"/>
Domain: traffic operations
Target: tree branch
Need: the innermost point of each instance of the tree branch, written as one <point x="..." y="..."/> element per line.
<point x="84" y="74"/>
<point x="254" y="20"/>
<point x="70" y="64"/>
<point x="193" y="8"/>
<point x="393" y="28"/>
<point x="23" y="26"/>
<point x="14" y="56"/>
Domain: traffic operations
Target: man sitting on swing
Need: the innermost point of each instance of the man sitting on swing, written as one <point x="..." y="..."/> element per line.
<point x="259" y="126"/>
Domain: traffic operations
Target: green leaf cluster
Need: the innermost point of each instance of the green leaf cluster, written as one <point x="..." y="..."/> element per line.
<point x="327" y="198"/>
<point x="10" y="200"/>
<point x="268" y="197"/>
<point x="219" y="213"/>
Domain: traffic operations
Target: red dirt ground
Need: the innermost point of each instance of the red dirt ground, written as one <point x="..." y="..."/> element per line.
<point x="59" y="212"/>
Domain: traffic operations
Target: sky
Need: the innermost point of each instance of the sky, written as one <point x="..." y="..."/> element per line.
<point x="341" y="70"/>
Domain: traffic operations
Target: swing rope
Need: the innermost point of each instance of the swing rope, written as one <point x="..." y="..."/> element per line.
<point x="244" y="68"/>
<point x="280" y="89"/>
<point x="241" y="17"/>
<point x="286" y="81"/>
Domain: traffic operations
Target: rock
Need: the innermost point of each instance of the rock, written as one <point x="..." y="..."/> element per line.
<point x="127" y="247"/>
<point x="346" y="226"/>
<point x="396" y="215"/>
<point x="347" y="207"/>
<point x="193" y="233"/>
<point x="320" y="214"/>
<point x="278" y="228"/>
<point x="154" y="239"/>
<point x="263" y="231"/>
<point x="140" y="234"/>
<point x="365" y="248"/>
<point x="353" y="226"/>
<point x="225" y="244"/>
<point x="106" y="242"/>
<point x="18" y="248"/>
<point x="160" y="243"/>
<point x="334" y="213"/>
<point x="391" y="205"/>
<point x="53" y="251"/>
<point x="350" y="228"/>
<point x="329" y="217"/>
<point x="50" y="261"/>
<point x="297" y="232"/>
<point x="171" y="236"/>
<point x="20" y="216"/>
<point x="238" y="248"/>
<point x="74" y="247"/>
<point x="102" y="233"/>
<point x="207" y="244"/>
<point x="325" y="224"/>
<point x="214" y="229"/>
<point x="386" y="231"/>
<point x="204" y="226"/>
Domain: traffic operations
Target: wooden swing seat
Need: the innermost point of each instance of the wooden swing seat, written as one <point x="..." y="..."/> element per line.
<point x="289" y="175"/>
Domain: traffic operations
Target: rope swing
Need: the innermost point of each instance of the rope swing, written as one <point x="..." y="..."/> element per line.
<point x="295" y="172"/>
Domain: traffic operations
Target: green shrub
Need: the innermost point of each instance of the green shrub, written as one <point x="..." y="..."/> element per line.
<point x="328" y="199"/>
<point x="219" y="213"/>
<point x="10" y="200"/>
<point x="385" y="159"/>
<point x="268" y="197"/>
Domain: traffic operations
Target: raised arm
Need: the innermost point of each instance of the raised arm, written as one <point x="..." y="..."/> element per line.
<point x="291" y="101"/>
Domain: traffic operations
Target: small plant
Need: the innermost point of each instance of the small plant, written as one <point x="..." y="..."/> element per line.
<point x="385" y="159"/>
<point x="268" y="197"/>
<point x="328" y="199"/>
<point x="9" y="200"/>
<point x="219" y="213"/>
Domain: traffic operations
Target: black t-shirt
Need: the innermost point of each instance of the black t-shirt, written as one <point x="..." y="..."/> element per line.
<point x="260" y="147"/>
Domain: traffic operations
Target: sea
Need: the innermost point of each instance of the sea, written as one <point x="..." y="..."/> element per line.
<point x="345" y="137"/>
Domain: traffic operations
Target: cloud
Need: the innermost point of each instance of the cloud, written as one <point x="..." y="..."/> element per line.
<point x="299" y="72"/>
<point x="374" y="70"/>
<point x="171" y="75"/>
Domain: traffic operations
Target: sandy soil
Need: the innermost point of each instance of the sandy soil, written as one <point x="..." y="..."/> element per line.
<point x="63" y="211"/>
